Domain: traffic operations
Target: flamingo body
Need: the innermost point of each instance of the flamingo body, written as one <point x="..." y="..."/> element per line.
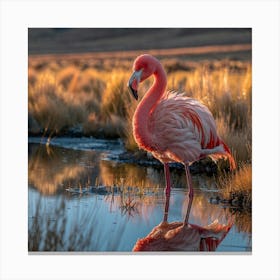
<point x="183" y="130"/>
<point x="173" y="127"/>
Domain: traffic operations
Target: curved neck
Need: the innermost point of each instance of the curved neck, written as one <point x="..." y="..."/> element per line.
<point x="146" y="106"/>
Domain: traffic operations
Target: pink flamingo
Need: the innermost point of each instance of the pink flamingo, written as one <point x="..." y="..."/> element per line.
<point x="173" y="127"/>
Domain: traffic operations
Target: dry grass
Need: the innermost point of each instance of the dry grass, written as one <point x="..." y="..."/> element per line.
<point x="130" y="143"/>
<point x="237" y="187"/>
<point x="91" y="94"/>
<point x="239" y="140"/>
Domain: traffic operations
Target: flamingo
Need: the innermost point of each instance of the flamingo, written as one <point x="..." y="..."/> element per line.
<point x="173" y="127"/>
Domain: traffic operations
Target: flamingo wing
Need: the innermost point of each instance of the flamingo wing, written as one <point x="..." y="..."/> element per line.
<point x="187" y="121"/>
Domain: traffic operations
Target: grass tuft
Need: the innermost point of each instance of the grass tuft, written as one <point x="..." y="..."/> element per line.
<point x="237" y="187"/>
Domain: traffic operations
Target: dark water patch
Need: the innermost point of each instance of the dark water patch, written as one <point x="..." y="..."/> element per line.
<point x="81" y="143"/>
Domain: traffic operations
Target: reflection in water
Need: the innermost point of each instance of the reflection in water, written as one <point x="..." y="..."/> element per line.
<point x="50" y="230"/>
<point x="182" y="236"/>
<point x="177" y="236"/>
<point x="51" y="170"/>
<point x="126" y="204"/>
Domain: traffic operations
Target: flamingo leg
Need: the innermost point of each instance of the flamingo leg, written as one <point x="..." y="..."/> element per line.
<point x="167" y="191"/>
<point x="189" y="183"/>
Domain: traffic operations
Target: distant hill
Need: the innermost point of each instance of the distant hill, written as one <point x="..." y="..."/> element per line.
<point x="79" y="40"/>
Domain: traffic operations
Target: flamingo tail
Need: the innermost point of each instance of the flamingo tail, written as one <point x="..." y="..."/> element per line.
<point x="222" y="151"/>
<point x="232" y="163"/>
<point x="228" y="154"/>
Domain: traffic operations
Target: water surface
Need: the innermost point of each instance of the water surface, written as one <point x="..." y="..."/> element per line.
<point x="81" y="198"/>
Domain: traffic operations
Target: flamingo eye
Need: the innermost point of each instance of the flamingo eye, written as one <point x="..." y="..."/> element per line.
<point x="141" y="66"/>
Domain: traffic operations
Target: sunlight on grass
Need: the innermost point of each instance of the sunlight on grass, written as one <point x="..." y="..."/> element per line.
<point x="237" y="187"/>
<point x="64" y="94"/>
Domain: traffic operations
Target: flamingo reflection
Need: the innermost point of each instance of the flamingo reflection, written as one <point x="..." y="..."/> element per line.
<point x="181" y="236"/>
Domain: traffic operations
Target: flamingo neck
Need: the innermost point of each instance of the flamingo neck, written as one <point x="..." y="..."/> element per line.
<point x="143" y="111"/>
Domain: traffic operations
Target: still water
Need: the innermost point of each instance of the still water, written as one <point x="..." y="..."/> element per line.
<point x="82" y="198"/>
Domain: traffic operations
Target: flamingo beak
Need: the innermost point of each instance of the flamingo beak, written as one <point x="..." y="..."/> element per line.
<point x="134" y="82"/>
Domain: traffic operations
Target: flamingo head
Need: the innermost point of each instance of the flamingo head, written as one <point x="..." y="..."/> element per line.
<point x="144" y="66"/>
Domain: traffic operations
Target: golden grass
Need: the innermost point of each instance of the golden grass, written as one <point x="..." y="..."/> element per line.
<point x="130" y="143"/>
<point x="239" y="140"/>
<point x="237" y="187"/>
<point x="92" y="93"/>
<point x="114" y="99"/>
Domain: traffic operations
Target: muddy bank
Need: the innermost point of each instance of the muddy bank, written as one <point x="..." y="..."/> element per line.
<point x="116" y="151"/>
<point x="207" y="165"/>
<point x="237" y="200"/>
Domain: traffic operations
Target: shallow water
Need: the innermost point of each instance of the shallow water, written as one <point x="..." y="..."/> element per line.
<point x="81" y="198"/>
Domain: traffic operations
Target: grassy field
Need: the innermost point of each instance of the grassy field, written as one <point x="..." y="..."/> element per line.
<point x="91" y="98"/>
<point x="86" y="94"/>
